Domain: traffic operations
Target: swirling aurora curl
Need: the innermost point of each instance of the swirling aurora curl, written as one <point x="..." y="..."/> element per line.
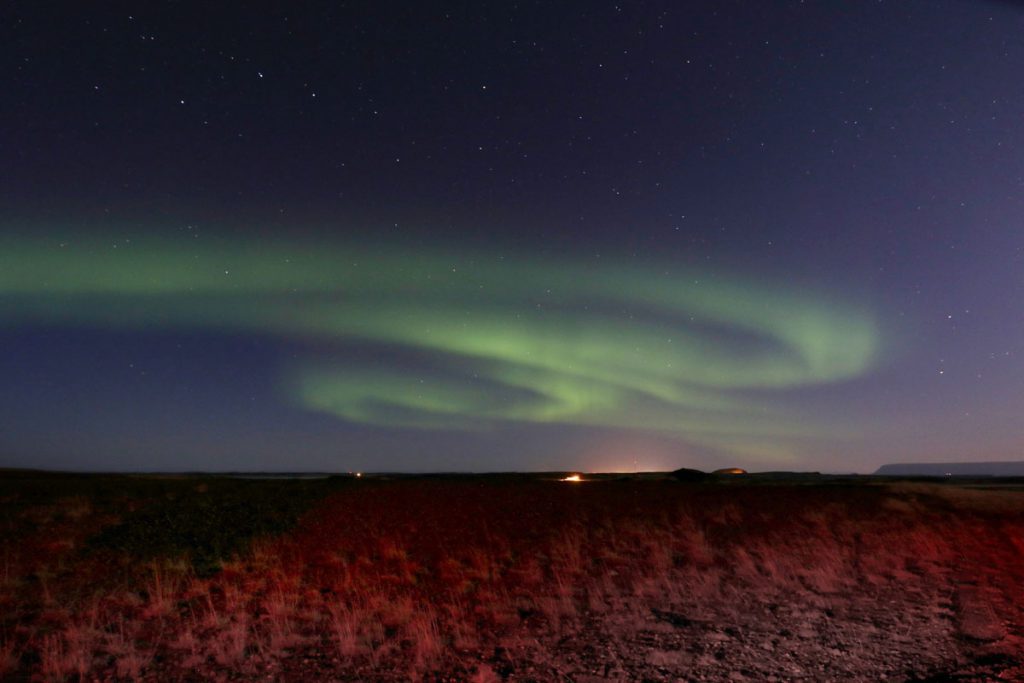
<point x="429" y="338"/>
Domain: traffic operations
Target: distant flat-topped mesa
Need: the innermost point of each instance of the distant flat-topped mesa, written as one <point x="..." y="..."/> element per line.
<point x="1011" y="468"/>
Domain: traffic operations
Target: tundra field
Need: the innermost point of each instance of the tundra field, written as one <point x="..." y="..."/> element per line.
<point x="509" y="577"/>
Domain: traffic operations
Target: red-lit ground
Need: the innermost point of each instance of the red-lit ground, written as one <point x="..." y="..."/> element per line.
<point x="520" y="579"/>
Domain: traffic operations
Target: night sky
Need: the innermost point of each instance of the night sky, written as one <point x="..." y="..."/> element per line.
<point x="511" y="235"/>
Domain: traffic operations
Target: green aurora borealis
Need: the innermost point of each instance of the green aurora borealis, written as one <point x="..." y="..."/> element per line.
<point x="461" y="340"/>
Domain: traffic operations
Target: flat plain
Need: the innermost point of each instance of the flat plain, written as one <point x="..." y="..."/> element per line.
<point x="510" y="577"/>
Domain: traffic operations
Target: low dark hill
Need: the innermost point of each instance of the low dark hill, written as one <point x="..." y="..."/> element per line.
<point x="686" y="474"/>
<point x="1013" y="468"/>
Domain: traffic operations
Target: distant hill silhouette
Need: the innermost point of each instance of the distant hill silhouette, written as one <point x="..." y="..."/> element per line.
<point x="1012" y="468"/>
<point x="687" y="474"/>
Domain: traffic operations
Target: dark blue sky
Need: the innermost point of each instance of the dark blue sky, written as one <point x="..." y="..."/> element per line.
<point x="821" y="201"/>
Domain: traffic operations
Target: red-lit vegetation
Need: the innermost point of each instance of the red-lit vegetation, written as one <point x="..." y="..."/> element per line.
<point x="489" y="578"/>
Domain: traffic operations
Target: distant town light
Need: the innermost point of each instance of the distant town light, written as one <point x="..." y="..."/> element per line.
<point x="573" y="477"/>
<point x="730" y="470"/>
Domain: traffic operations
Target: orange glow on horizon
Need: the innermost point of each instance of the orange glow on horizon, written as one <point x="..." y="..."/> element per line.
<point x="573" y="477"/>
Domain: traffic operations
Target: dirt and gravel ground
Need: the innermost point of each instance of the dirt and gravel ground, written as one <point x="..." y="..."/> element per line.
<point x="941" y="624"/>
